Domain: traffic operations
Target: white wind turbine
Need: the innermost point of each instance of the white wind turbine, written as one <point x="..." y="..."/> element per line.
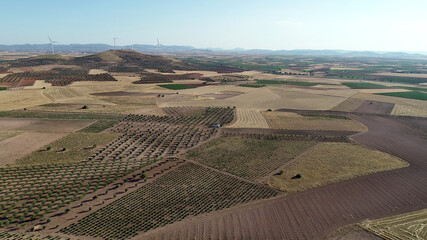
<point x="158" y="45"/>
<point x="114" y="39"/>
<point x="51" y="44"/>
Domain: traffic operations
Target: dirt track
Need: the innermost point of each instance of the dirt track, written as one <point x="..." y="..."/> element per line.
<point x="315" y="213"/>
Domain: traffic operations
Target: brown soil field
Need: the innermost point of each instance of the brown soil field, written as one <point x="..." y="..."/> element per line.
<point x="246" y="118"/>
<point x="282" y="120"/>
<point x="374" y="107"/>
<point x="37" y="133"/>
<point x="332" y="162"/>
<point x="8" y="134"/>
<point x="17" y="147"/>
<point x="348" y="105"/>
<point x="411" y="226"/>
<point x="317" y="212"/>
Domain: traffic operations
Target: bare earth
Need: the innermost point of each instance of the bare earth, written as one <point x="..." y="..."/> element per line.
<point x="37" y="133"/>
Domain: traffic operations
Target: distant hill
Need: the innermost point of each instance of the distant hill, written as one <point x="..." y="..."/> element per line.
<point x="151" y="49"/>
<point x="112" y="60"/>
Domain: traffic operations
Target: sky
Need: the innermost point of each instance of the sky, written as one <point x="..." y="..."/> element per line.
<point x="364" y="25"/>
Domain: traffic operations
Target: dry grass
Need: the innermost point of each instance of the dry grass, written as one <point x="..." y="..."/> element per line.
<point x="333" y="162"/>
<point x="19" y="99"/>
<point x="97" y="71"/>
<point x="293" y="121"/>
<point x="8" y="134"/>
<point x="79" y="146"/>
<point x="411" y="226"/>
<point x="246" y="118"/>
<point x="348" y="105"/>
<point x="247" y="158"/>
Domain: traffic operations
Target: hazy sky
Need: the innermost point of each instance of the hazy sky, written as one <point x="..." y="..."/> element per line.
<point x="378" y="25"/>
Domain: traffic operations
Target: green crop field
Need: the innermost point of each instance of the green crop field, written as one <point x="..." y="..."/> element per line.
<point x="252" y="85"/>
<point x="411" y="95"/>
<point x="175" y="86"/>
<point x="363" y="85"/>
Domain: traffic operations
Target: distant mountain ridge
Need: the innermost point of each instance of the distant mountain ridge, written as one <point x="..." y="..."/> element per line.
<point x="100" y="47"/>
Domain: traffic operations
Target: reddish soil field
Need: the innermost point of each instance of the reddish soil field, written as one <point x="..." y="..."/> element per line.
<point x="315" y="213"/>
<point x="375" y="107"/>
<point x="284" y="131"/>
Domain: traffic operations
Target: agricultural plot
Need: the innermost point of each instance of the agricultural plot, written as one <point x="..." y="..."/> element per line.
<point x="375" y="107"/>
<point x="332" y="162"/>
<point x="409" y="226"/>
<point x="411" y="94"/>
<point x="78" y="147"/>
<point x="176" y="86"/>
<point x="363" y="85"/>
<point x="283" y="120"/>
<point x="247" y="158"/>
<point x="56" y="78"/>
<point x="33" y="192"/>
<point x="147" y="78"/>
<point x="247" y="118"/>
<point x="189" y="190"/>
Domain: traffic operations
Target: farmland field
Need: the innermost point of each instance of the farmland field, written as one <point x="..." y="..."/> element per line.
<point x="246" y="118"/>
<point x="409" y="226"/>
<point x="248" y="158"/>
<point x="363" y="85"/>
<point x="411" y="95"/>
<point x="79" y="146"/>
<point x="120" y="144"/>
<point x="175" y="86"/>
<point x="190" y="190"/>
<point x="281" y="120"/>
<point x="332" y="162"/>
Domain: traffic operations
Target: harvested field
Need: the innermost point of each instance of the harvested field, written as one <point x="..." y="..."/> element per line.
<point x="408" y="110"/>
<point x="17" y="147"/>
<point x="97" y="71"/>
<point x="282" y="120"/>
<point x="35" y="134"/>
<point x="219" y="96"/>
<point x="374" y="107"/>
<point x="409" y="226"/>
<point x="123" y="93"/>
<point x="348" y="105"/>
<point x="315" y="213"/>
<point x="8" y="134"/>
<point x="248" y="158"/>
<point x="22" y="98"/>
<point x="272" y="132"/>
<point x="247" y="118"/>
<point x="189" y="190"/>
<point x="332" y="162"/>
<point x="352" y="232"/>
<point x="259" y="99"/>
<point x="79" y="146"/>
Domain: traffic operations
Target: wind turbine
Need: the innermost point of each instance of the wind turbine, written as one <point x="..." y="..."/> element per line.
<point x="115" y="42"/>
<point x="158" y="45"/>
<point x="51" y="44"/>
